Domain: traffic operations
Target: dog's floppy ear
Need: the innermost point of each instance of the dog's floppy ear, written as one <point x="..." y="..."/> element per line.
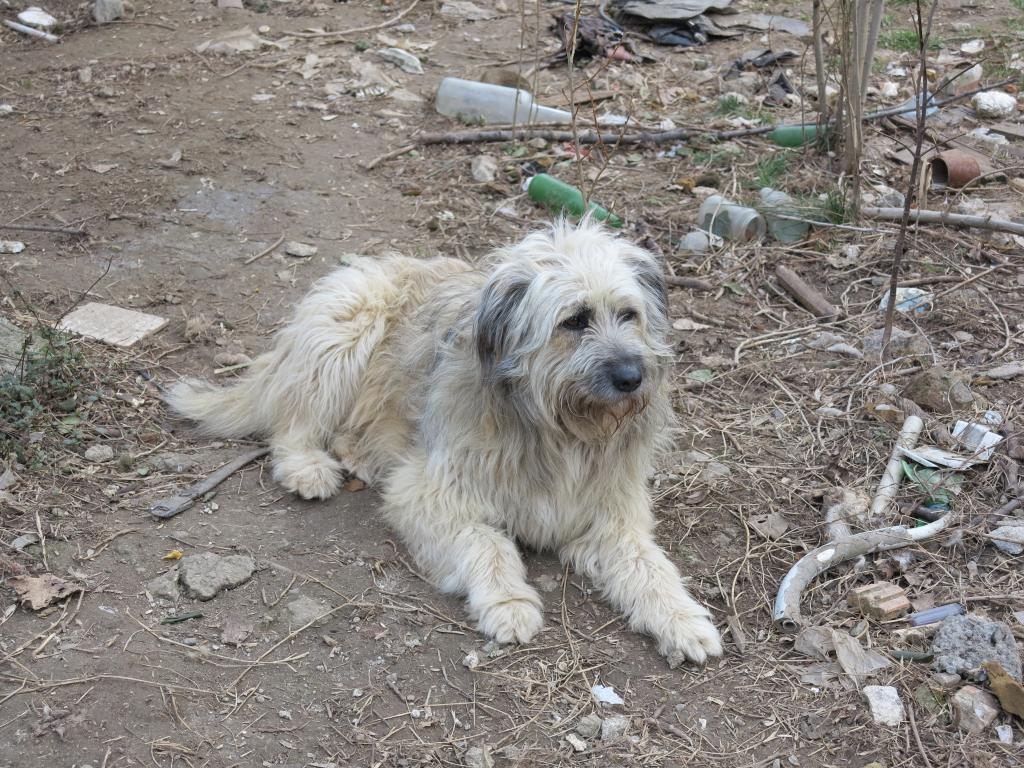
<point x="651" y="277"/>
<point x="496" y="317"/>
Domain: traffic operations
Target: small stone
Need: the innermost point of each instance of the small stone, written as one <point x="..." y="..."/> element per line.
<point x="945" y="681"/>
<point x="940" y="391"/>
<point x="206" y="574"/>
<point x="173" y="462"/>
<point x="537" y="143"/>
<point x="885" y="703"/>
<point x="165" y="585"/>
<point x="302" y="610"/>
<point x="230" y="359"/>
<point x="99" y="453"/>
<point x="1005" y="734"/>
<point x="106" y="11"/>
<point x="1008" y="539"/>
<point x="901" y="343"/>
<point x="881" y="601"/>
<point x="299" y="250"/>
<point x="614" y="728"/>
<point x="589" y="726"/>
<point x="889" y="90"/>
<point x="479" y="757"/>
<point x="973" y="709"/>
<point x="471" y="660"/>
<point x="484" y="168"/>
<point x="235" y="632"/>
<point x="85" y="75"/>
<point x="578" y="744"/>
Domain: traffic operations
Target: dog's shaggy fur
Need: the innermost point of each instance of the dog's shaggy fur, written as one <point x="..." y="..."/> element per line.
<point x="520" y="401"/>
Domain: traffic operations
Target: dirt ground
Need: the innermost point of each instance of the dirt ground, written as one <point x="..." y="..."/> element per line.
<point x="183" y="166"/>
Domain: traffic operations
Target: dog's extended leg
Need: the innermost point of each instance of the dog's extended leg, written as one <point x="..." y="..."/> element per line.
<point x="619" y="553"/>
<point x="303" y="467"/>
<point x="464" y="555"/>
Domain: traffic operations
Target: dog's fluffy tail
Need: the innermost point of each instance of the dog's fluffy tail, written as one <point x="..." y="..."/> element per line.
<point x="235" y="411"/>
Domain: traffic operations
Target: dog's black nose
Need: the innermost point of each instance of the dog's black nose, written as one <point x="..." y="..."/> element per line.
<point x="626" y="377"/>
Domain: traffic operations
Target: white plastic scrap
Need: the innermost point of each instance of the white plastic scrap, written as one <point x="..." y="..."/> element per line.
<point x="606" y="694"/>
<point x="908" y="301"/>
<point x="978" y="439"/>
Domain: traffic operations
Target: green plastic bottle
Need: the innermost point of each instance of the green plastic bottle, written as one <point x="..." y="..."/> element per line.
<point x="559" y="196"/>
<point x="794" y="135"/>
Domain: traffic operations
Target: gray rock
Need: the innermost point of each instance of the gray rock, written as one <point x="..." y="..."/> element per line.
<point x="12" y="342"/>
<point x="165" y="585"/>
<point x="902" y="343"/>
<point x="174" y="462"/>
<point x="973" y="709"/>
<point x="300" y="611"/>
<point x="204" y="575"/>
<point x="299" y="250"/>
<point x="1009" y="539"/>
<point x="484" y="168"/>
<point x="106" y="11"/>
<point x="99" y="453"/>
<point x="939" y="390"/>
<point x="963" y="643"/>
<point x="588" y="727"/>
<point x="235" y="632"/>
<point x="614" y="728"/>
<point x="479" y="757"/>
<point x="885" y="703"/>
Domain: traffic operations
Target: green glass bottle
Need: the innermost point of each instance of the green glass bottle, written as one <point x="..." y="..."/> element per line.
<point x="559" y="196"/>
<point x="794" y="135"/>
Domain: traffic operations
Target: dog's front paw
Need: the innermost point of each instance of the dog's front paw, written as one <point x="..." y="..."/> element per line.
<point x="689" y="637"/>
<point x="310" y="476"/>
<point x="515" y="620"/>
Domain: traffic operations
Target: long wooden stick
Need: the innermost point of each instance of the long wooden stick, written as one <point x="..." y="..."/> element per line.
<point x="990" y="223"/>
<point x="172" y="505"/>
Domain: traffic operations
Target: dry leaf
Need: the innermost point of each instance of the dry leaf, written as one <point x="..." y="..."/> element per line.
<point x="41" y="591"/>
<point x="174" y="554"/>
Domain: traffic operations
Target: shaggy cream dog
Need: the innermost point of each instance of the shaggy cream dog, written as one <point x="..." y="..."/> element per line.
<point x="521" y="401"/>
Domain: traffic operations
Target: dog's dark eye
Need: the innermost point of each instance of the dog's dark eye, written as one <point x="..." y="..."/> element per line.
<point x="628" y="316"/>
<point x="578" y="322"/>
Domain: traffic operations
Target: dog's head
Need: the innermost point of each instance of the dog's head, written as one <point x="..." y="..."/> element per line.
<point x="571" y="324"/>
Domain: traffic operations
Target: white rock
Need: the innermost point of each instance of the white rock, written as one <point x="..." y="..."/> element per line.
<point x="471" y="660"/>
<point x="578" y="744"/>
<point x="973" y="46"/>
<point x="1005" y="734"/>
<point x="484" y="168"/>
<point x="37" y="17"/>
<point x="11" y="246"/>
<point x="300" y="250"/>
<point x="889" y="90"/>
<point x="1008" y="538"/>
<point x="99" y="453"/>
<point x="885" y="703"/>
<point x="614" y="728"/>
<point x="994" y="104"/>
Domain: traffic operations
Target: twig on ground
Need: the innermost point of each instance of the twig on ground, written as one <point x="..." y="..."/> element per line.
<point x="43" y="228"/>
<point x="354" y="30"/>
<point x="676" y="281"/>
<point x="172" y="505"/>
<point x="265" y="251"/>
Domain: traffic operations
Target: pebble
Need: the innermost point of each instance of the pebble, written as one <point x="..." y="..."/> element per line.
<point x="614" y="728"/>
<point x="471" y="660"/>
<point x="479" y="757"/>
<point x="302" y="610"/>
<point x="885" y="703"/>
<point x="165" y="585"/>
<point x="939" y="391"/>
<point x="589" y="726"/>
<point x="578" y="744"/>
<point x="1008" y="539"/>
<point x="99" y="453"/>
<point x="299" y="250"/>
<point x="484" y="168"/>
<point x="973" y="709"/>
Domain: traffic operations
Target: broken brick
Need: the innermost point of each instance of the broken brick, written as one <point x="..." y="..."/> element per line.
<point x="882" y="600"/>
